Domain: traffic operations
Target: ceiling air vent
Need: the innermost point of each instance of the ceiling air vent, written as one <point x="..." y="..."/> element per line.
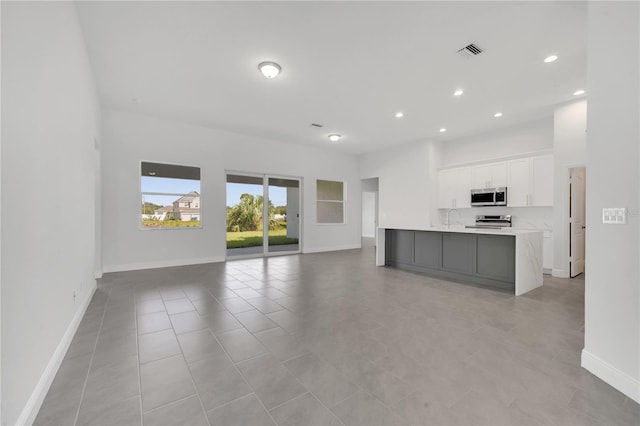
<point x="470" y="51"/>
<point x="316" y="125"/>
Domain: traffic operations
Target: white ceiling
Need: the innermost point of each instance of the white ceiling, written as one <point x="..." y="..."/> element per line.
<point x="347" y="65"/>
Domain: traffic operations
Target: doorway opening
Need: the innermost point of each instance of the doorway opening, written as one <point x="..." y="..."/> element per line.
<point x="263" y="215"/>
<point x="577" y="225"/>
<point x="369" y="213"/>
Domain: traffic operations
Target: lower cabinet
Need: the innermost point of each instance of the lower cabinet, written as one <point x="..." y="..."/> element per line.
<point x="457" y="253"/>
<point x="427" y="248"/>
<point x="476" y="258"/>
<point x="495" y="257"/>
<point x="400" y="246"/>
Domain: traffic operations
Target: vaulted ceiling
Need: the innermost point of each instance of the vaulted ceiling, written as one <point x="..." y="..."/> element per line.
<point x="350" y="66"/>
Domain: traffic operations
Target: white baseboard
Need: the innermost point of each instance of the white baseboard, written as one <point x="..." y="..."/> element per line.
<point x="334" y="248"/>
<point x="610" y="374"/>
<point x="560" y="273"/>
<point x="30" y="410"/>
<point x="161" y="264"/>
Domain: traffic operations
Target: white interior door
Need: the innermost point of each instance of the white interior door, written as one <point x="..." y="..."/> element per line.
<point x="369" y="214"/>
<point x="577" y="221"/>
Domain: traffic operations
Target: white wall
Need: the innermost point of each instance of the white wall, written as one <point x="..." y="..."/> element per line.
<point x="569" y="150"/>
<point x="531" y="137"/>
<point x="129" y="139"/>
<point x="612" y="298"/>
<point x="50" y="119"/>
<point x="404" y="185"/>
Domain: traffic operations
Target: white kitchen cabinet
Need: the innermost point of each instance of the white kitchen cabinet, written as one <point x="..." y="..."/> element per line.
<point x="489" y="175"/>
<point x="454" y="190"/>
<point x="530" y="181"/>
<point x="518" y="182"/>
<point x="547" y="250"/>
<point x="542" y="181"/>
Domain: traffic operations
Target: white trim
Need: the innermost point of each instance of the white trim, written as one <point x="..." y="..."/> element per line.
<point x="560" y="273"/>
<point x="161" y="264"/>
<point x="612" y="375"/>
<point x="33" y="405"/>
<point x="334" y="248"/>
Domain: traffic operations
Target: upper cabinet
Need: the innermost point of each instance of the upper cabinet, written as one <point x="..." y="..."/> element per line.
<point x="542" y="181"/>
<point x="518" y="182"/>
<point x="489" y="175"/>
<point x="454" y="188"/>
<point x="530" y="181"/>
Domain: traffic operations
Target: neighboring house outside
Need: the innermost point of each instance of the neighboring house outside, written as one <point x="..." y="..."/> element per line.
<point x="161" y="213"/>
<point x="187" y="207"/>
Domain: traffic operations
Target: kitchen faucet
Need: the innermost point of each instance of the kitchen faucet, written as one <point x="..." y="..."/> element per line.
<point x="448" y="224"/>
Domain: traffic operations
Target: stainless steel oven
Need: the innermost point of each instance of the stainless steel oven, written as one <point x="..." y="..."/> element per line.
<point x="489" y="197"/>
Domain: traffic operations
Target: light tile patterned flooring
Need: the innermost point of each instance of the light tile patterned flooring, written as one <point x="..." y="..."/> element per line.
<point x="327" y="339"/>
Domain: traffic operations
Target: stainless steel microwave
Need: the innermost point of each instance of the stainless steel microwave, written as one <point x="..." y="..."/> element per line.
<point x="489" y="197"/>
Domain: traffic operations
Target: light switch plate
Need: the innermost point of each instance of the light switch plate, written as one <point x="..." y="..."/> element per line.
<point x="614" y="216"/>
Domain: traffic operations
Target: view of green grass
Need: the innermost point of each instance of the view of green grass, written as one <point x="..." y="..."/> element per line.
<point x="153" y="223"/>
<point x="254" y="238"/>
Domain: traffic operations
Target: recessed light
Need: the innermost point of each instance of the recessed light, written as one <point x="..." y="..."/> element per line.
<point x="550" y="58"/>
<point x="269" y="69"/>
<point x="497" y="114"/>
<point x="458" y="92"/>
<point x="579" y="92"/>
<point x="152" y="173"/>
<point x="334" y="137"/>
<point x="399" y="114"/>
<point x="442" y="130"/>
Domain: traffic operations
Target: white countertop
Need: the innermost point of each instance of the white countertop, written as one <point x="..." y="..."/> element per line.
<point x="462" y="230"/>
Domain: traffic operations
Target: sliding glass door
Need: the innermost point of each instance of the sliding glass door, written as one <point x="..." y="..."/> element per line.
<point x="263" y="215"/>
<point x="284" y="215"/>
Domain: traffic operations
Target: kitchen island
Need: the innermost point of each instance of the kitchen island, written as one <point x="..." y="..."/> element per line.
<point x="507" y="258"/>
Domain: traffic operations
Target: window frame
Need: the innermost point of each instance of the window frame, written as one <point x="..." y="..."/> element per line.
<point x="142" y="193"/>
<point x="343" y="202"/>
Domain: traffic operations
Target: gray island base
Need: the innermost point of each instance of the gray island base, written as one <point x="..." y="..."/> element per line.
<point x="506" y="259"/>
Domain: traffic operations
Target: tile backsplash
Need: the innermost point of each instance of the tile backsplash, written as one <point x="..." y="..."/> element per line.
<point x="522" y="217"/>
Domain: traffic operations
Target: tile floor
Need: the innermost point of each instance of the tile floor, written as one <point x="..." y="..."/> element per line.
<point x="331" y="339"/>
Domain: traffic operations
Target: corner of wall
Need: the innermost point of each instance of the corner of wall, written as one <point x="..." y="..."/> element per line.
<point x="610" y="374"/>
<point x="31" y="408"/>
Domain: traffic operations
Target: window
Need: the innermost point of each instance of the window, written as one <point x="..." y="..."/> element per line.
<point x="330" y="201"/>
<point x="170" y="196"/>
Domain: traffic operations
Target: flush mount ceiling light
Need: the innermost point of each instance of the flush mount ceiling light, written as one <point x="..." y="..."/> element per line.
<point x="497" y="114"/>
<point x="334" y="137"/>
<point x="442" y="130"/>
<point x="269" y="69"/>
<point x="399" y="114"/>
<point x="458" y="92"/>
<point x="550" y="59"/>
<point x="579" y="92"/>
